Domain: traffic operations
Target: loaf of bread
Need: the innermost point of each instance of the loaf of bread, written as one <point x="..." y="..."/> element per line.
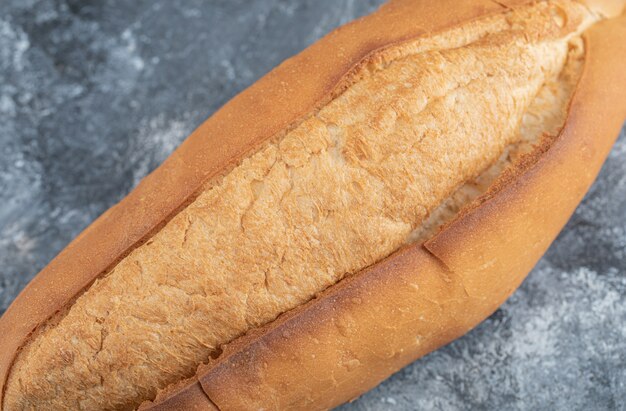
<point x="366" y="202"/>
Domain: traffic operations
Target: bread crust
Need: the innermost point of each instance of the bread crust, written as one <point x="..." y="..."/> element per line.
<point x="260" y="365"/>
<point x="188" y="396"/>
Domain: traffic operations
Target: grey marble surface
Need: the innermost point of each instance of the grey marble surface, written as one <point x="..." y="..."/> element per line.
<point x="94" y="94"/>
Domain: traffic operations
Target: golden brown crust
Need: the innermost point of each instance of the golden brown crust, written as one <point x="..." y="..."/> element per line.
<point x="370" y="319"/>
<point x="188" y="396"/>
<point x="266" y="110"/>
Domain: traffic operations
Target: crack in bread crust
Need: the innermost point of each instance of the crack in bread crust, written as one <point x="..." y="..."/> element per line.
<point x="542" y="121"/>
<point x="338" y="193"/>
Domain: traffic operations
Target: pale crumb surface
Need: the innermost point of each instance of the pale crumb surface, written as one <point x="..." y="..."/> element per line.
<point x="545" y="116"/>
<point x="343" y="190"/>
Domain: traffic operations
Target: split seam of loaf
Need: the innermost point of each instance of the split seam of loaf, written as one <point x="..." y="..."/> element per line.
<point x="357" y="151"/>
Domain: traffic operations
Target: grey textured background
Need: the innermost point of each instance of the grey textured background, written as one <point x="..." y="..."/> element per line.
<point x="94" y="94"/>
